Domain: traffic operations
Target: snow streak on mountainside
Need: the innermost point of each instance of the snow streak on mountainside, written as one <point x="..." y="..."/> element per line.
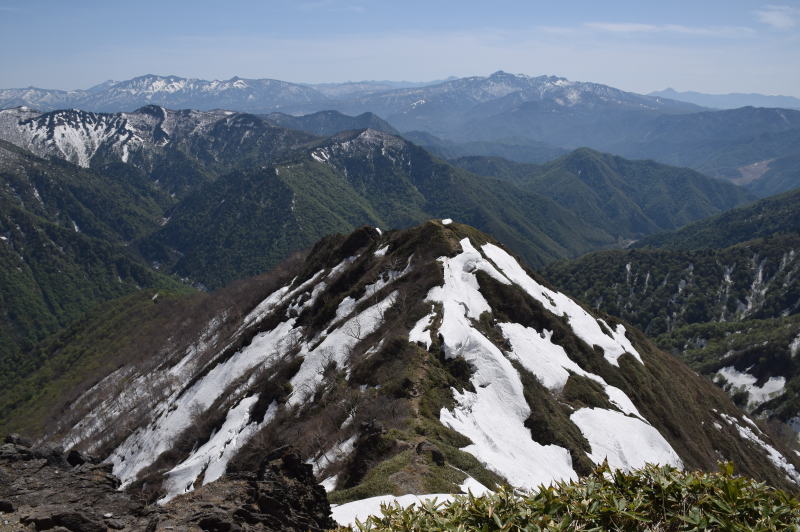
<point x="494" y="416"/>
<point x="77" y="136"/>
<point x="430" y="352"/>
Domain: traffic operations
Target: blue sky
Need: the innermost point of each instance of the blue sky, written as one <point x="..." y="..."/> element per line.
<point x="644" y="45"/>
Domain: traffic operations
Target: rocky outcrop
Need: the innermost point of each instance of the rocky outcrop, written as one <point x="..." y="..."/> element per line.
<point x="44" y="488"/>
<point x="281" y="496"/>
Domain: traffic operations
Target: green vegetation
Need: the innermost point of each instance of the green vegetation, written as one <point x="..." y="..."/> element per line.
<point x="660" y="290"/>
<point x="782" y="174"/>
<point x="64" y="234"/>
<point x="247" y="221"/>
<point x="764" y="218"/>
<point x="723" y="292"/>
<point x="114" y="334"/>
<point x="627" y="199"/>
<point x="762" y="348"/>
<point x="653" y="498"/>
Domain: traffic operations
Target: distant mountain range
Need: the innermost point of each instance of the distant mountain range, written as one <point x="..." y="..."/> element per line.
<point x="525" y="118"/>
<point x="729" y="101"/>
<point x="386" y="99"/>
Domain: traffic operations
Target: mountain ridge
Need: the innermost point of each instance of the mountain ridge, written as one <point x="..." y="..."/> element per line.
<point x="626" y="198"/>
<point x="389" y="353"/>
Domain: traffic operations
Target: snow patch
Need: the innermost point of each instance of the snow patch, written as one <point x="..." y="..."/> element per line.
<point x="627" y="442"/>
<point x="334" y="454"/>
<point x="794" y="347"/>
<point x="757" y="395"/>
<point x="772" y="453"/>
<point x="420" y="332"/>
<point x="335" y="348"/>
<point x="213" y="456"/>
<point x="447" y="221"/>
<point x="330" y="483"/>
<point x="493" y="416"/>
<point x="347" y="514"/>
<point x="591" y="330"/>
<point x="142" y="447"/>
<point x="470" y="485"/>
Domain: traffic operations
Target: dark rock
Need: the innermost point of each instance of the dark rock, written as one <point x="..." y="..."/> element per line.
<point x="270" y="505"/>
<point x="426" y="447"/>
<point x="49" y="489"/>
<point x="244" y="514"/>
<point x="371" y="427"/>
<point x="76" y="458"/>
<point x="54" y="455"/>
<point x="40" y="521"/>
<point x="115" y="524"/>
<point x="217" y="523"/>
<point x="19" y="440"/>
<point x="14" y="452"/>
<point x="78" y="522"/>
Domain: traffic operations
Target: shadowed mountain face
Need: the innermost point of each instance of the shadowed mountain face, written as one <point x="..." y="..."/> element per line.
<point x="778" y="214"/>
<point x="386" y="358"/>
<point x="327" y="123"/>
<point x="247" y="219"/>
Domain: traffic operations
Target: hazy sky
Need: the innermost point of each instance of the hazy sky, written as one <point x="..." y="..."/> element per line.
<point x="642" y="45"/>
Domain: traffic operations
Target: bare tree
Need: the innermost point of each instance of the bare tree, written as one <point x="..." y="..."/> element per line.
<point x="353" y="329"/>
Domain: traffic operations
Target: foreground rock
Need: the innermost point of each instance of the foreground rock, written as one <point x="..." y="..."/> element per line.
<point x="43" y="488"/>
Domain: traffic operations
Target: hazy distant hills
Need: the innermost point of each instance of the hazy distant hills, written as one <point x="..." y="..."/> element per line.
<point x="729" y="101"/>
<point x="513" y="149"/>
<point x="171" y="91"/>
<point x="415" y="102"/>
<point x="326" y="123"/>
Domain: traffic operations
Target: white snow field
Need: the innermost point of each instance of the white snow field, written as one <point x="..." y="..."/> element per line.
<point x="756" y="395"/>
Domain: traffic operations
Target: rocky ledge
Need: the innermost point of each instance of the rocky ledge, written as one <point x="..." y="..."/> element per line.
<point x="45" y="488"/>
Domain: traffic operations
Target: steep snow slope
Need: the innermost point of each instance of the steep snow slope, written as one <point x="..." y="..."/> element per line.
<point x="417" y="361"/>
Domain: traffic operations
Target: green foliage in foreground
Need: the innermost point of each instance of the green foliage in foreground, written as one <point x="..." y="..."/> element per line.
<point x="653" y="498"/>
